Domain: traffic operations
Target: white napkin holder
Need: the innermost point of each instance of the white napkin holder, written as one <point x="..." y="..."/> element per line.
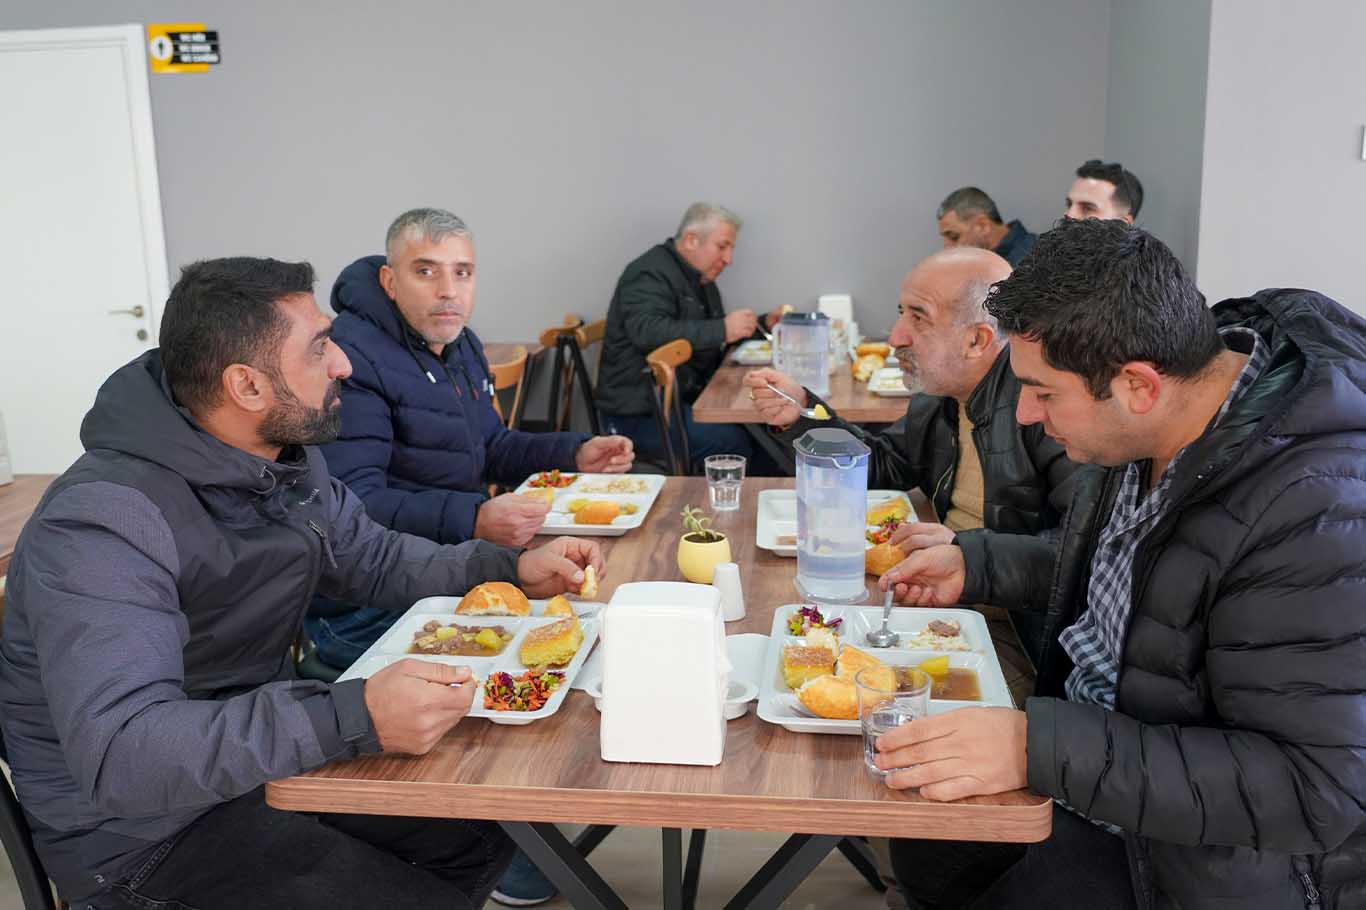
<point x="664" y="674"/>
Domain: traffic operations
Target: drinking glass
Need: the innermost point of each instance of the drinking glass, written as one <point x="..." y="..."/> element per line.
<point x="887" y="698"/>
<point x="725" y="473"/>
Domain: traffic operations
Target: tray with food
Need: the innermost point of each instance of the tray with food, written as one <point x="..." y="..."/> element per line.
<point x="776" y="527"/>
<point x="524" y="654"/>
<point x="814" y="651"/>
<point x="887" y="383"/>
<point x="601" y="505"/>
<point x="753" y="353"/>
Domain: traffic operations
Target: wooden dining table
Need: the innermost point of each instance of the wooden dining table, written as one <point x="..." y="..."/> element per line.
<point x="726" y="400"/>
<point x="813" y="786"/>
<point x="17" y="502"/>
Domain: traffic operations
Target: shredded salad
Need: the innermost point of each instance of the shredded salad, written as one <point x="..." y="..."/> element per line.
<point x="527" y="692"/>
<point x="808" y="618"/>
<point x="552" y="479"/>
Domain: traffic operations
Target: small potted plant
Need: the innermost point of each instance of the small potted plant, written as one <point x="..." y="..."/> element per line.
<point x="701" y="549"/>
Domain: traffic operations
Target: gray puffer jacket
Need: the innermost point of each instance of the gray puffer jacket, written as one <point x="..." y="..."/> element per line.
<point x="145" y="674"/>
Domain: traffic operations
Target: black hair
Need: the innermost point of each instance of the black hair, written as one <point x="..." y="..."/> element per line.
<point x="1098" y="294"/>
<point x="968" y="201"/>
<point x="221" y="312"/>
<point x="1128" y="188"/>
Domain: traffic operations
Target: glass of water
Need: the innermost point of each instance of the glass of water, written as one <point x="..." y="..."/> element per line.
<point x="887" y="698"/>
<point x="725" y="473"/>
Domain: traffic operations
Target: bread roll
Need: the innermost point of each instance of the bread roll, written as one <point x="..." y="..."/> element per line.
<point x="892" y="508"/>
<point x="882" y="557"/>
<point x="559" y="605"/>
<point x="834" y="697"/>
<point x="881" y="348"/>
<point x="495" y="598"/>
<point x="867" y="365"/>
<point x="589" y="589"/>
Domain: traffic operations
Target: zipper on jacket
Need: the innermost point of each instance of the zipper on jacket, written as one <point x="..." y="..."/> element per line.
<point x="327" y="545"/>
<point x="1312" y="898"/>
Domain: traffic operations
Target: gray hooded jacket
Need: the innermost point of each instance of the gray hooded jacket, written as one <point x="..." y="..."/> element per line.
<point x="152" y="600"/>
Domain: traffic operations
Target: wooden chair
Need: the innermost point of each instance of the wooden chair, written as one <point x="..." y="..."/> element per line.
<point x="661" y="366"/>
<point x="568" y="342"/>
<point x="509" y="375"/>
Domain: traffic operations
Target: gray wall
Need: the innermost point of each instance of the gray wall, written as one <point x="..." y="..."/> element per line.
<point x="571" y="136"/>
<point x="1155" y="110"/>
<point x="1284" y="183"/>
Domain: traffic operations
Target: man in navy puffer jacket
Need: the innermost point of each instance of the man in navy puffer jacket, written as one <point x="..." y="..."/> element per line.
<point x="420" y="440"/>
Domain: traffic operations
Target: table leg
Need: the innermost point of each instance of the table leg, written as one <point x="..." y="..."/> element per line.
<point x="692" y="874"/>
<point x="788" y="868"/>
<point x="556" y="857"/>
<point x="861" y="857"/>
<point x="590" y="837"/>
<point x="673" y="868"/>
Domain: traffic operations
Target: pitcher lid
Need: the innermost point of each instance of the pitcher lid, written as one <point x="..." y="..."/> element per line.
<point x="798" y="317"/>
<point x="830" y="442"/>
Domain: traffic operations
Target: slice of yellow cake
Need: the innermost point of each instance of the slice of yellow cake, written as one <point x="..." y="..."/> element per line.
<point x="553" y="645"/>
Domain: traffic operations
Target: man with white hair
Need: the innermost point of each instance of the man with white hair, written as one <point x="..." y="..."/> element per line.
<point x="670" y="293"/>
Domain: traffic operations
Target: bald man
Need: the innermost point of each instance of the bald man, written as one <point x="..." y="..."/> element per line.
<point x="953" y="357"/>
<point x="959" y="444"/>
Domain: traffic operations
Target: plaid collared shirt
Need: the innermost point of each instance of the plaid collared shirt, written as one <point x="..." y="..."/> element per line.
<point x="1095" y="642"/>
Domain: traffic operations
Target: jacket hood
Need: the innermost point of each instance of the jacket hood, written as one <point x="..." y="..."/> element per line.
<point x="357" y="290"/>
<point x="1314" y="383"/>
<point x="136" y="414"/>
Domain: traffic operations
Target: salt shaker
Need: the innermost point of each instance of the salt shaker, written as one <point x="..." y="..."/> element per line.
<point x="727" y="582"/>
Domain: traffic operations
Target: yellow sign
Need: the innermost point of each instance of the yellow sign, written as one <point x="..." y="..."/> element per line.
<point x="182" y="47"/>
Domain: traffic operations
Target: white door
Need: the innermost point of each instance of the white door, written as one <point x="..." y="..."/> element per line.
<point x="82" y="253"/>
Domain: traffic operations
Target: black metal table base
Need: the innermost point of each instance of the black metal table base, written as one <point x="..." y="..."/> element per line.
<point x="565" y="864"/>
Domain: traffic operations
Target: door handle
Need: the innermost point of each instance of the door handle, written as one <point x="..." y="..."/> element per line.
<point x="137" y="311"/>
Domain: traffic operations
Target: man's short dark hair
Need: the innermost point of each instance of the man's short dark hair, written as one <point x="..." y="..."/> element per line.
<point x="221" y="312"/>
<point x="1098" y="294"/>
<point x="968" y="201"/>
<point x="1128" y="189"/>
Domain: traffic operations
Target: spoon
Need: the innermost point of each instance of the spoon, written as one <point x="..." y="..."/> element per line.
<point x="885" y="637"/>
<point x="816" y="413"/>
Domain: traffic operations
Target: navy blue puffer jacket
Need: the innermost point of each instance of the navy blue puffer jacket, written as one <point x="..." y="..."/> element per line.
<point x="420" y="439"/>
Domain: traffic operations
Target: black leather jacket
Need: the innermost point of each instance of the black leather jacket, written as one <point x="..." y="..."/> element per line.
<point x="1027" y="479"/>
<point x="1234" y="758"/>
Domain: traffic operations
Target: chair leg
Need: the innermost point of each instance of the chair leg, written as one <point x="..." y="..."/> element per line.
<point x="581" y="371"/>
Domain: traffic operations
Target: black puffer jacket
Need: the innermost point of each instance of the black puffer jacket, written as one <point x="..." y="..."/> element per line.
<point x="1236" y="756"/>
<point x="1028" y="481"/>
<point x="659" y="298"/>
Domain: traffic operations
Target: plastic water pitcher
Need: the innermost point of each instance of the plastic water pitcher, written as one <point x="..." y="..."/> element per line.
<point x="801" y="349"/>
<point x="832" y="514"/>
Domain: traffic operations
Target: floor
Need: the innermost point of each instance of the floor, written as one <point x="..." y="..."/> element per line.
<point x="630" y="862"/>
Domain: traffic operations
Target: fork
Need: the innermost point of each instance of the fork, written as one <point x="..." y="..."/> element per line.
<point x="808" y="413"/>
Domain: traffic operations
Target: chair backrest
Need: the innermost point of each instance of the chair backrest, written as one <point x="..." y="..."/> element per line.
<point x="507" y="375"/>
<point x="662" y="363"/>
<point x="584" y="337"/>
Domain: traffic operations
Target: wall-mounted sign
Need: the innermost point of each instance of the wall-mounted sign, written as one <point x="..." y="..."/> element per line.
<point x="182" y="47"/>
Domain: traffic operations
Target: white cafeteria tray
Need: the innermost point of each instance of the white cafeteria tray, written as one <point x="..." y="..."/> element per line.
<point x="753" y="353"/>
<point x="393" y="646"/>
<point x="887" y="383"/>
<point x="561" y="520"/>
<point x="777" y="517"/>
<point x="779" y="705"/>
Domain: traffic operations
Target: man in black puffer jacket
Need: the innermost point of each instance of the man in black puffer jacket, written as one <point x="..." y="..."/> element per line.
<point x="1211" y="712"/>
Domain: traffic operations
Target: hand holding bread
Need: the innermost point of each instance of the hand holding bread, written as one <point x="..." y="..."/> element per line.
<point x="558" y="566"/>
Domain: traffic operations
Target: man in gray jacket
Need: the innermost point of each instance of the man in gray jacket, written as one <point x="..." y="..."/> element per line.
<point x="146" y="688"/>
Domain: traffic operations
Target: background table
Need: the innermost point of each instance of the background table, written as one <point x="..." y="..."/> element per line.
<point x="769" y="780"/>
<point x="17" y="502"/>
<point x="726" y="400"/>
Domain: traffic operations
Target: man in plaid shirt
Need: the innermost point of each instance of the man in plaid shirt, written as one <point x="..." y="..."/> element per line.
<point x="1201" y="722"/>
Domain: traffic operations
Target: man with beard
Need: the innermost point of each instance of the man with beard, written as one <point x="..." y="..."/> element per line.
<point x="959" y="442"/>
<point x="147" y="691"/>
